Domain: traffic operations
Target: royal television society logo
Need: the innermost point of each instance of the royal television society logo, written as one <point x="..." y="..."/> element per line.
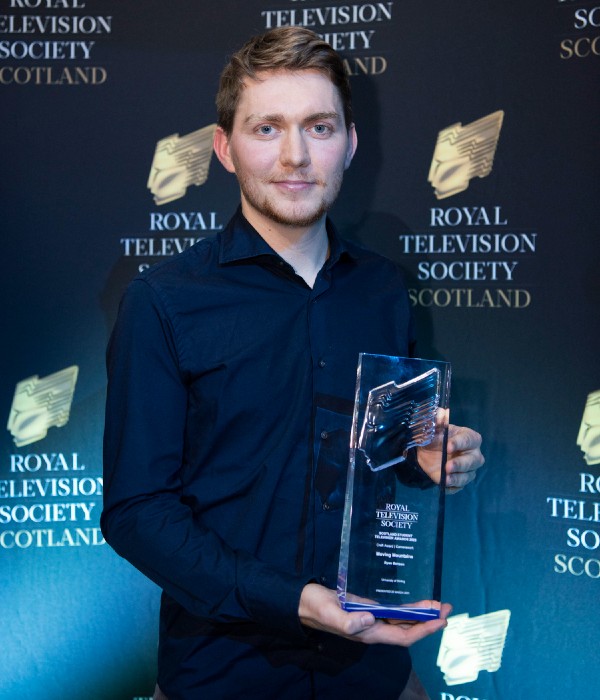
<point x="180" y="161"/>
<point x="472" y="644"/>
<point x="40" y="404"/>
<point x="588" y="438"/>
<point x="464" y="152"/>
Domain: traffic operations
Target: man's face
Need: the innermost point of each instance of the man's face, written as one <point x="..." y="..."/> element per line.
<point x="289" y="147"/>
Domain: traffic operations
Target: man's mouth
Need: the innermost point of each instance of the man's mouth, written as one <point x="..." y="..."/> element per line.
<point x="294" y="184"/>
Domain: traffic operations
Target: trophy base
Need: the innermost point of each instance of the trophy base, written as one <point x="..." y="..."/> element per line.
<point x="410" y="614"/>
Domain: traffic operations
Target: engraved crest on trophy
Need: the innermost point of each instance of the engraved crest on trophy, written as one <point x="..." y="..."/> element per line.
<point x="399" y="417"/>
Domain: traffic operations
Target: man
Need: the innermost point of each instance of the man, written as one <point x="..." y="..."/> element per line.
<point x="231" y="377"/>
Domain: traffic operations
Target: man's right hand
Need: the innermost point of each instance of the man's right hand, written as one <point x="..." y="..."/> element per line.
<point x="319" y="609"/>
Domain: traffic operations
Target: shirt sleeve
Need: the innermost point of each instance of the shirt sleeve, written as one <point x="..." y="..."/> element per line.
<point x="145" y="518"/>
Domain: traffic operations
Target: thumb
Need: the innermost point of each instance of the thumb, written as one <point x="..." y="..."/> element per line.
<point x="355" y="623"/>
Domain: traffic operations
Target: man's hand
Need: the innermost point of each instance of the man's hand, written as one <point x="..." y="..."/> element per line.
<point x="464" y="458"/>
<point x="319" y="608"/>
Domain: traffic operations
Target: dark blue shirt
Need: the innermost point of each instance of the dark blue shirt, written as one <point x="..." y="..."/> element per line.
<point x="230" y="395"/>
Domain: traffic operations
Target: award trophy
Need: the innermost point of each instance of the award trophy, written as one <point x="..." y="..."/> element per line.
<point x="391" y="548"/>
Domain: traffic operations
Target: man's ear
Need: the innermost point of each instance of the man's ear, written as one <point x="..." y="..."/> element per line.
<point x="352" y="144"/>
<point x="221" y="148"/>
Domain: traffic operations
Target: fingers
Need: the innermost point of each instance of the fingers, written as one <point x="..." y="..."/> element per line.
<point x="400" y="635"/>
<point x="464" y="457"/>
<point x="461" y="439"/>
<point x="405" y="633"/>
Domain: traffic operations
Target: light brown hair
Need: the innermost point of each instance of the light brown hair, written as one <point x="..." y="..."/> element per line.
<point x="284" y="48"/>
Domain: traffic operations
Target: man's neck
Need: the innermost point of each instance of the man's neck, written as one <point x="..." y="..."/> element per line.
<point x="305" y="248"/>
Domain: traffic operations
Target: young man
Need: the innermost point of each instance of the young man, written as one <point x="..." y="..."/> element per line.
<point x="231" y="377"/>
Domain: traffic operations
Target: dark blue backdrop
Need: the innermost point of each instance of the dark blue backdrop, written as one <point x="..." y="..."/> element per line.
<point x="77" y="622"/>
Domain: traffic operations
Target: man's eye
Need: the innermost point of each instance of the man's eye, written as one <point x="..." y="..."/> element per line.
<point x="265" y="130"/>
<point x="321" y="129"/>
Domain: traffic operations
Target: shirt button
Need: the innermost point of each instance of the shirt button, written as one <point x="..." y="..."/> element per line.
<point x="326" y="506"/>
<point x="320" y="647"/>
<point x="323" y="580"/>
<point x="324" y="435"/>
<point x="322" y="363"/>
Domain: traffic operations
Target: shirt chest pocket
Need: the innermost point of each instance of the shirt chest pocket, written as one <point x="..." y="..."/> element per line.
<point x="331" y="450"/>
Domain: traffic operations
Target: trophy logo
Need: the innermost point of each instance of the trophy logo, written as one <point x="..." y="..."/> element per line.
<point x="588" y="438"/>
<point x="39" y="404"/>
<point x="472" y="644"/>
<point x="464" y="152"/>
<point x="180" y="161"/>
<point x="399" y="417"/>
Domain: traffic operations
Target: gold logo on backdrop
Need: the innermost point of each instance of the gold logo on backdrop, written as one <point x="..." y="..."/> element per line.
<point x="472" y="644"/>
<point x="464" y="152"/>
<point x="180" y="161"/>
<point x="39" y="404"/>
<point x="588" y="438"/>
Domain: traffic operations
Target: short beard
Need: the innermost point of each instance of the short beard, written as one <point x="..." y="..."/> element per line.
<point x="267" y="209"/>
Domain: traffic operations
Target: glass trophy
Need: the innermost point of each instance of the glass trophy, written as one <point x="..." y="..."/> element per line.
<point x="392" y="533"/>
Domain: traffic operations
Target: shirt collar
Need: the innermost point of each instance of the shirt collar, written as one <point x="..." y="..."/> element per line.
<point x="239" y="240"/>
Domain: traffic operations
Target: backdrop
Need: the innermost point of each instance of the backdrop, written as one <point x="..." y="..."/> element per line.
<point x="476" y="170"/>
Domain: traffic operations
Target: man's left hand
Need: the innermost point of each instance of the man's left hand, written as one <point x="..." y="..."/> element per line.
<point x="464" y="458"/>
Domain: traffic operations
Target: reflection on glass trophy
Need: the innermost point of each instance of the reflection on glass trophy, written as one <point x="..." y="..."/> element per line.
<point x="391" y="550"/>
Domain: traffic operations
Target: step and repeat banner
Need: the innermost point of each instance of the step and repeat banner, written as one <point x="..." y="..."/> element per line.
<point x="477" y="170"/>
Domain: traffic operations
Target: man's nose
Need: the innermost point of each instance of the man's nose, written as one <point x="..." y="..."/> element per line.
<point x="294" y="149"/>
